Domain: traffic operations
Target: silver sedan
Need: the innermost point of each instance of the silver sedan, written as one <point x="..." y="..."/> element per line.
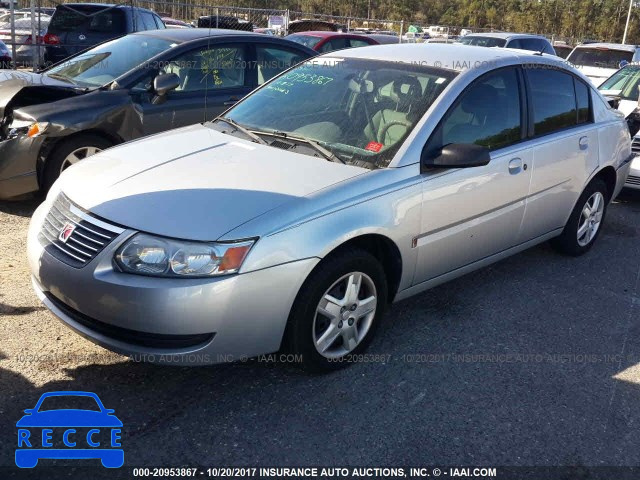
<point x="349" y="182"/>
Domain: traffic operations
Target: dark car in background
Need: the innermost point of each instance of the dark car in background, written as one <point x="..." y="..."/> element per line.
<point x="77" y="26"/>
<point x="226" y="22"/>
<point x="5" y="56"/>
<point x="123" y="89"/>
<point x="323" y="42"/>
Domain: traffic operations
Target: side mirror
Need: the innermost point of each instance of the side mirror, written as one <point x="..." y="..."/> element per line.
<point x="458" y="155"/>
<point x="109" y="411"/>
<point x="163" y="84"/>
<point x="29" y="411"/>
<point x="623" y="63"/>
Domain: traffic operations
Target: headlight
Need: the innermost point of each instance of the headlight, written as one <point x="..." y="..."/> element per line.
<point x="28" y="128"/>
<point x="164" y="257"/>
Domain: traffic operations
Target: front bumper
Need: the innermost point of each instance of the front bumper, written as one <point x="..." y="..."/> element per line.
<point x="18" y="161"/>
<point x="633" y="179"/>
<point x="167" y="320"/>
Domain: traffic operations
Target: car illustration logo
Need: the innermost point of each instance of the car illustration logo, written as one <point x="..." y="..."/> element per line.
<point x="82" y="37"/>
<point x="52" y="430"/>
<point x="66" y="232"/>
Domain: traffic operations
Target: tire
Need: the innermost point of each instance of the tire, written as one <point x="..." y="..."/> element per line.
<point x="570" y="242"/>
<point x="58" y="158"/>
<point x="353" y="323"/>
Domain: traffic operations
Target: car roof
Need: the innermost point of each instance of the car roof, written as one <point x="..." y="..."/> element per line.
<point x="101" y="5"/>
<point x="181" y="35"/>
<point x="609" y="46"/>
<point x="505" y="35"/>
<point x="451" y="56"/>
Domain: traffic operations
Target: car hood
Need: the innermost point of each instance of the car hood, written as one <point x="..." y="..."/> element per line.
<point x="69" y="418"/>
<point x="195" y="183"/>
<point x="19" y="89"/>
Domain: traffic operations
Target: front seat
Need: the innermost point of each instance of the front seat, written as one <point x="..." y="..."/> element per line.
<point x="405" y="91"/>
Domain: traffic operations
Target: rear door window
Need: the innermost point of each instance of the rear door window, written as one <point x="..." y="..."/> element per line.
<point x="553" y="100"/>
<point x="356" y="42"/>
<point x="335" y="44"/>
<point x="583" y="101"/>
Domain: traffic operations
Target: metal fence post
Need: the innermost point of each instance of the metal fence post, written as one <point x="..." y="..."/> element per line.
<point x="34" y="46"/>
<point x="401" y="31"/>
<point x="217" y="16"/>
<point x="12" y="12"/>
<point x="286" y="22"/>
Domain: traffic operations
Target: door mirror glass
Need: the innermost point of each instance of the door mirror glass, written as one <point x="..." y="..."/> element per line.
<point x="459" y="155"/>
<point x="165" y="82"/>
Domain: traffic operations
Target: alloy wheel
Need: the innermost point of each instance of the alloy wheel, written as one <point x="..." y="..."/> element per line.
<point x="590" y="219"/>
<point x="344" y="315"/>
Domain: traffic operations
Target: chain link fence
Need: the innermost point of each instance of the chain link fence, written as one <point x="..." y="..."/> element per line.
<point x="25" y="30"/>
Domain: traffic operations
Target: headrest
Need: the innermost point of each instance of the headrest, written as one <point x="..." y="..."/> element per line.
<point x="404" y="91"/>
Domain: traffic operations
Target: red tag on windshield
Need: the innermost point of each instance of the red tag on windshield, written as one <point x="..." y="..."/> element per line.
<point x="374" y="147"/>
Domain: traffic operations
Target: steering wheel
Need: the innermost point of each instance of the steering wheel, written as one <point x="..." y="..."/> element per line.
<point x="385" y="129"/>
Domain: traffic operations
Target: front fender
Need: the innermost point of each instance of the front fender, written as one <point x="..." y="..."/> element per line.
<point x="395" y="215"/>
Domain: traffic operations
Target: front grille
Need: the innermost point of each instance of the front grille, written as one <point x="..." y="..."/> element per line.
<point x="633" y="180"/>
<point x="73" y="236"/>
<point x="133" y="337"/>
<point x="635" y="145"/>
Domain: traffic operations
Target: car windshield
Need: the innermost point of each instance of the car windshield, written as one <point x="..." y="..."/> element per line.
<point x="624" y="83"/>
<point x="106" y="62"/>
<point x="359" y="110"/>
<point x="306" y="40"/>
<point x="483" y="41"/>
<point x="599" y="57"/>
<point x="67" y="402"/>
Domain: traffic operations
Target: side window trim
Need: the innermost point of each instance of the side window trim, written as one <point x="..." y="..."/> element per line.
<point x="523" y="100"/>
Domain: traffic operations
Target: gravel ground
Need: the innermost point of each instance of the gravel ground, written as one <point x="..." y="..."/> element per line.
<point x="447" y="393"/>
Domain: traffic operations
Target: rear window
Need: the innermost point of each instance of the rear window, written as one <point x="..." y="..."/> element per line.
<point x="483" y="41"/>
<point x="306" y="40"/>
<point x="599" y="57"/>
<point x="88" y="19"/>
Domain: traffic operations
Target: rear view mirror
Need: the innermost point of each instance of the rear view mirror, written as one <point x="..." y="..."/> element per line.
<point x="458" y="155"/>
<point x="163" y="84"/>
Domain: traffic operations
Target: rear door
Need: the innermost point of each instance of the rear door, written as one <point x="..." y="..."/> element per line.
<point x="82" y="26"/>
<point x="564" y="145"/>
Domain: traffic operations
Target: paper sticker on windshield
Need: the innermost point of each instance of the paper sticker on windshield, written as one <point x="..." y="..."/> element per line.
<point x="374" y="147"/>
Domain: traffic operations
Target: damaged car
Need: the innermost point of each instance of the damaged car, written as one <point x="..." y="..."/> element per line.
<point x="137" y="85"/>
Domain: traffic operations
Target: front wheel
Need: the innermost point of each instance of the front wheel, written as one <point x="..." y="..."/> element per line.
<point x="585" y="222"/>
<point x="70" y="152"/>
<point x="337" y="310"/>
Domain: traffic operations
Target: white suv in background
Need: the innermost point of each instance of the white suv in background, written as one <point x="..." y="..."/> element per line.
<point x="599" y="61"/>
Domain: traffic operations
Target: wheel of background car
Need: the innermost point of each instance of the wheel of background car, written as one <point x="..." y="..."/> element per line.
<point x="583" y="227"/>
<point x="337" y="310"/>
<point x="68" y="152"/>
<point x="385" y="129"/>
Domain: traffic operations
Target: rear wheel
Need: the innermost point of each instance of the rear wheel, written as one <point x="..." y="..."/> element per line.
<point x="584" y="225"/>
<point x="70" y="152"/>
<point x="337" y="310"/>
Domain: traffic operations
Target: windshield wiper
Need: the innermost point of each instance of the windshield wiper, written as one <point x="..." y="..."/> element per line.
<point x="240" y="128"/>
<point x="319" y="148"/>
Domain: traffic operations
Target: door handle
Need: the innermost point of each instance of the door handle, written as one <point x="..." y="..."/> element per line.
<point x="232" y="101"/>
<point x="515" y="166"/>
<point x="583" y="142"/>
